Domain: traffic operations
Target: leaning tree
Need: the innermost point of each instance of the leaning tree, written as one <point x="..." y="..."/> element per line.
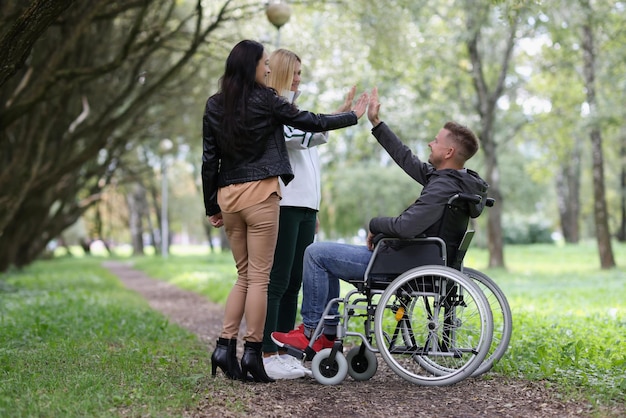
<point x="75" y="83"/>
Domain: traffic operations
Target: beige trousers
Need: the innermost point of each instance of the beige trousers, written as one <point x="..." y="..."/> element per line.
<point x="252" y="233"/>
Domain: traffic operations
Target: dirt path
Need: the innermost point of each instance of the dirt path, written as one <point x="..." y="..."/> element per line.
<point x="384" y="395"/>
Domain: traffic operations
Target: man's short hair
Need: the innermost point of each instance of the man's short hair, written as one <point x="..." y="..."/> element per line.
<point x="465" y="139"/>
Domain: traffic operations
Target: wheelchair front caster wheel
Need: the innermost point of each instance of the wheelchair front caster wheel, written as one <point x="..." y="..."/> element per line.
<point x="327" y="371"/>
<point x="361" y="365"/>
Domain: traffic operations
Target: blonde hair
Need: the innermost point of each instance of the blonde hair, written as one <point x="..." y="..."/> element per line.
<point x="282" y="65"/>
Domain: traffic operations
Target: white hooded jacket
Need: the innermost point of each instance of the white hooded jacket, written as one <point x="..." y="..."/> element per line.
<point x="304" y="190"/>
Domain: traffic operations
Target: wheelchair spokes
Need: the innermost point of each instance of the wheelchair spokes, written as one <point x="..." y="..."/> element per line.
<point x="434" y="326"/>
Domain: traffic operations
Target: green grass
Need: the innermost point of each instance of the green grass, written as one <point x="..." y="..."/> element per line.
<point x="75" y="342"/>
<point x="209" y="275"/>
<point x="569" y="318"/>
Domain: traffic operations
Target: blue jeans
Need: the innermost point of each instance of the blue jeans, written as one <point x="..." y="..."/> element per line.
<point x="325" y="263"/>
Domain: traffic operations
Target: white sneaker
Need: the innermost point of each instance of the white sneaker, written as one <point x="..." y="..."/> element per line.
<point x="276" y="368"/>
<point x="294" y="362"/>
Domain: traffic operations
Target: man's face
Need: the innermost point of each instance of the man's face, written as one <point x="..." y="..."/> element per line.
<point x="439" y="148"/>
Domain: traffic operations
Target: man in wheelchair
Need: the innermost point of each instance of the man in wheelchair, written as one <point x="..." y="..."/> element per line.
<point x="443" y="176"/>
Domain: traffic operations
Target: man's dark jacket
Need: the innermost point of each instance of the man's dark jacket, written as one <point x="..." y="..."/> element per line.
<point x="423" y="216"/>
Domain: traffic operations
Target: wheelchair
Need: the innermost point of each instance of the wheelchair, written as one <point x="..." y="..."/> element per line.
<point x="432" y="321"/>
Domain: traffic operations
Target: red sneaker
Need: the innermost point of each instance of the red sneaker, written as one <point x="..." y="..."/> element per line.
<point x="321" y="343"/>
<point x="297" y="339"/>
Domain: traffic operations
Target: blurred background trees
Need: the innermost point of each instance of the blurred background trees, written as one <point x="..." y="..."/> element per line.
<point x="91" y="94"/>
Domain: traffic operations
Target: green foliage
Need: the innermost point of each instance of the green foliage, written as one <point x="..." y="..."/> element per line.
<point x="527" y="230"/>
<point x="351" y="197"/>
<point x="75" y="343"/>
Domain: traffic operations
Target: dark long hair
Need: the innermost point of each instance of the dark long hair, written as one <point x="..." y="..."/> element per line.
<point x="236" y="85"/>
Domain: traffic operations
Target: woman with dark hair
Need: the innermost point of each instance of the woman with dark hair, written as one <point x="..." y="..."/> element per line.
<point x="244" y="155"/>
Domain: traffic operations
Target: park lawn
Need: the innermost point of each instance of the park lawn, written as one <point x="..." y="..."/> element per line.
<point x="76" y="343"/>
<point x="569" y="316"/>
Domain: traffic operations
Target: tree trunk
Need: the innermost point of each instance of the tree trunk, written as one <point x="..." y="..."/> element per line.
<point x="495" y="243"/>
<point x="156" y="207"/>
<point x="224" y="243"/>
<point x="486" y="99"/>
<point x="621" y="233"/>
<point x="72" y="105"/>
<point x="601" y="218"/>
<point x="98" y="232"/>
<point x="568" y="195"/>
<point x="136" y="209"/>
<point x="208" y="231"/>
<point x="17" y="42"/>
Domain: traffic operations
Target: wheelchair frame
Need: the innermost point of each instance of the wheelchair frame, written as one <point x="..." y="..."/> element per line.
<point x="432" y="324"/>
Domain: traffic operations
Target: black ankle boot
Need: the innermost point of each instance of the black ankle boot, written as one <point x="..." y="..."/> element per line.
<point x="225" y="357"/>
<point x="252" y="362"/>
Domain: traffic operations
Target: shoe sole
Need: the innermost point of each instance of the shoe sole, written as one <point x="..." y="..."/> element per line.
<point x="288" y="377"/>
<point x="299" y="366"/>
<point x="283" y="345"/>
<point x="308" y="351"/>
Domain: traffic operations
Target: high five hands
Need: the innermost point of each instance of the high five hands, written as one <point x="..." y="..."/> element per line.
<point x="361" y="105"/>
<point x="365" y="101"/>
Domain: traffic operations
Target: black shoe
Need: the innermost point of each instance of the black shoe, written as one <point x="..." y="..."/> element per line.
<point x="252" y="362"/>
<point x="225" y="357"/>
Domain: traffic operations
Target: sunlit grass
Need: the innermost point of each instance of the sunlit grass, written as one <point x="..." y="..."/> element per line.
<point x="569" y="317"/>
<point x="76" y="343"/>
<point x="210" y="275"/>
<point x="569" y="320"/>
<point x="67" y="323"/>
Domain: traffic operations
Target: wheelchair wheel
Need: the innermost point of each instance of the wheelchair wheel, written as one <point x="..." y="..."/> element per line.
<point x="502" y="319"/>
<point x="362" y="363"/>
<point x="433" y="326"/>
<point x="329" y="372"/>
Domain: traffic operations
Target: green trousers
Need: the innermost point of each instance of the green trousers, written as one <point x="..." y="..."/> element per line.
<point x="296" y="231"/>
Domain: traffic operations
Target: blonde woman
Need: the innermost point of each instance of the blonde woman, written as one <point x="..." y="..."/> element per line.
<point x="298" y="218"/>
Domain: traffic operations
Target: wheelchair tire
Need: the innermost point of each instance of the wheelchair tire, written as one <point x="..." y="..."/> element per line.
<point x="502" y="319"/>
<point x="362" y="363"/>
<point x="433" y="326"/>
<point x="329" y="372"/>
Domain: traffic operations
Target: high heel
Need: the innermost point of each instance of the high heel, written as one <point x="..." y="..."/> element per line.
<point x="252" y="362"/>
<point x="225" y="357"/>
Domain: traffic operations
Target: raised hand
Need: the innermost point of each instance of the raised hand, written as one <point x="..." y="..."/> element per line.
<point x="373" y="107"/>
<point x="361" y="105"/>
<point x="347" y="103"/>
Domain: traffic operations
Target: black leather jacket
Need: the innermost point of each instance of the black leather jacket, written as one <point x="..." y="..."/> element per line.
<point x="265" y="154"/>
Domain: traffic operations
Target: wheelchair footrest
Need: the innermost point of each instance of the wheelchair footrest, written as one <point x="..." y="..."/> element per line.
<point x="294" y="352"/>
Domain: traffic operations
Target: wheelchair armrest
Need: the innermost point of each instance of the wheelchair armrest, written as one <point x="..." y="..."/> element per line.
<point x="471" y="198"/>
<point x="465" y="197"/>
